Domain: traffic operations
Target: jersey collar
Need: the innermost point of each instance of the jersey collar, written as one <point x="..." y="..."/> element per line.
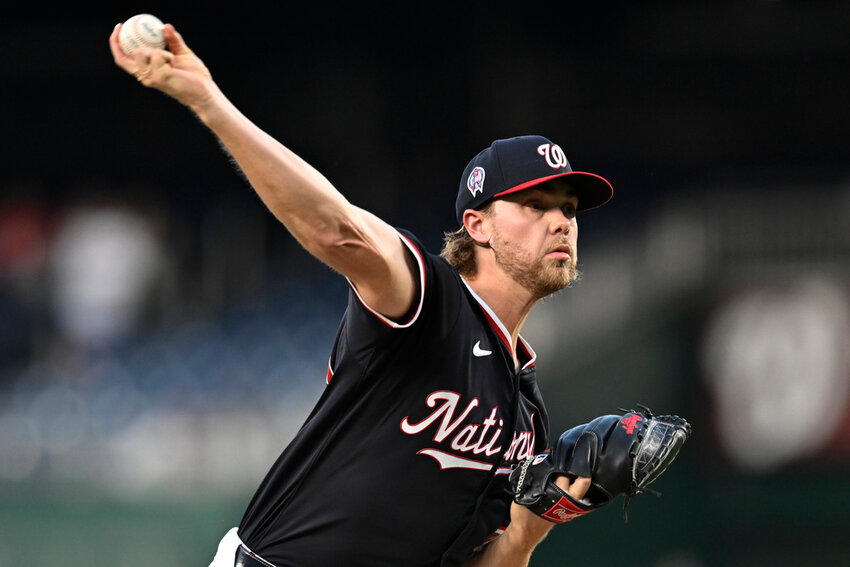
<point x="502" y="332"/>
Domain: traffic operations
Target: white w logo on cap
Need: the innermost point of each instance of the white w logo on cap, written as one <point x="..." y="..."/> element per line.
<point x="554" y="155"/>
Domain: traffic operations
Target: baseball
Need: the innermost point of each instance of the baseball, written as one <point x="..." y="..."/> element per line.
<point x="142" y="30"/>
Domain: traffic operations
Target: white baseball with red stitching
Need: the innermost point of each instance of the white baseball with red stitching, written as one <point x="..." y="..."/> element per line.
<point x="142" y="30"/>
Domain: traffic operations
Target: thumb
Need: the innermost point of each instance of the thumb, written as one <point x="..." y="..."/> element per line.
<point x="175" y="42"/>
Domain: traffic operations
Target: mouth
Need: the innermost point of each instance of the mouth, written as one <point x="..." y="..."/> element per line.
<point x="562" y="252"/>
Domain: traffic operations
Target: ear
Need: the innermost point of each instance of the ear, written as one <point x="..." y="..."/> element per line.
<point x="477" y="225"/>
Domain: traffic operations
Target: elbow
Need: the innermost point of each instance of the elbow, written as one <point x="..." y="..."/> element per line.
<point x="338" y="236"/>
<point x="338" y="242"/>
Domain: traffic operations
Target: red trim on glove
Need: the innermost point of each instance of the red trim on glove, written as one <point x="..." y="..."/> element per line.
<point x="564" y="511"/>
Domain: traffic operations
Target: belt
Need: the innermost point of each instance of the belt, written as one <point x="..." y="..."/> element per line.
<point x="246" y="558"/>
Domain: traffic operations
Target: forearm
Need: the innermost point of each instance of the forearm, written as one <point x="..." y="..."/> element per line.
<point x="514" y="547"/>
<point x="346" y="238"/>
<point x="295" y="192"/>
<point x="353" y="242"/>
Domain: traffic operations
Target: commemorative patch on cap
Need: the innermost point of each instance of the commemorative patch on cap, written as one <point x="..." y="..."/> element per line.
<point x="475" y="181"/>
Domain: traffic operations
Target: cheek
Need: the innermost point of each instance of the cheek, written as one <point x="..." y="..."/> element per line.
<point x="574" y="240"/>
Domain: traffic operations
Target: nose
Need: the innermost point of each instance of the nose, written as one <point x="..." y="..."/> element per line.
<point x="560" y="222"/>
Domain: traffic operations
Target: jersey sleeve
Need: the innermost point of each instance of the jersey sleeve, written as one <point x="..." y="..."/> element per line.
<point x="364" y="334"/>
<point x="415" y="250"/>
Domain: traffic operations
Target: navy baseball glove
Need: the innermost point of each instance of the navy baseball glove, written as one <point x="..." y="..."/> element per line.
<point x="622" y="455"/>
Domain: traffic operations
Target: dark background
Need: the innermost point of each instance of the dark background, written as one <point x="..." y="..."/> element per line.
<point x="391" y="101"/>
<point x="736" y="111"/>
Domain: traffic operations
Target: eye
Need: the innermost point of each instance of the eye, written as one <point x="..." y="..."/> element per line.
<point x="569" y="210"/>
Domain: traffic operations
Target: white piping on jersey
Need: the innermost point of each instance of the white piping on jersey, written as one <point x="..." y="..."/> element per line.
<point x="421" y="264"/>
<point x="500" y="328"/>
<point x="449" y="461"/>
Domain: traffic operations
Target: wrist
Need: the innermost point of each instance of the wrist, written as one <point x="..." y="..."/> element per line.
<point x="526" y="529"/>
<point x="210" y="106"/>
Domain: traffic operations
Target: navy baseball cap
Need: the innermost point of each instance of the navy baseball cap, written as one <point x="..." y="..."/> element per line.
<point x="513" y="164"/>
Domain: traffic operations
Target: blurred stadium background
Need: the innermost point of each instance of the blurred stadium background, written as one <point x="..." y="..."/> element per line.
<point x="161" y="337"/>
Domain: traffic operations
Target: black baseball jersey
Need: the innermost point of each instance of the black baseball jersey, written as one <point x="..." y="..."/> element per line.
<point x="404" y="459"/>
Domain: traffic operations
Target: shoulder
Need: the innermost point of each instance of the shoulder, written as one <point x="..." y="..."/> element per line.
<point x="425" y="257"/>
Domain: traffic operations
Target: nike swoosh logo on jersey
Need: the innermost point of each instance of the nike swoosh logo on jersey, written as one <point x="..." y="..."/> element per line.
<point x="479" y="352"/>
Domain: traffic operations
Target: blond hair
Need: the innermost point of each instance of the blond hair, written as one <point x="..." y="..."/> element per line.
<point x="459" y="248"/>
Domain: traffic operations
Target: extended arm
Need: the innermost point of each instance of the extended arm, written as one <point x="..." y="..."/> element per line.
<point x="348" y="239"/>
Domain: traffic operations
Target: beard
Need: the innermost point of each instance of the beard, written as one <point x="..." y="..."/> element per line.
<point x="538" y="275"/>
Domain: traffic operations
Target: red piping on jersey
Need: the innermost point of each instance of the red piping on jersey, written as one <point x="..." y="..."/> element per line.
<point x="529" y="352"/>
<point x="388" y="322"/>
<point x="385" y="320"/>
<point x="501" y="331"/>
